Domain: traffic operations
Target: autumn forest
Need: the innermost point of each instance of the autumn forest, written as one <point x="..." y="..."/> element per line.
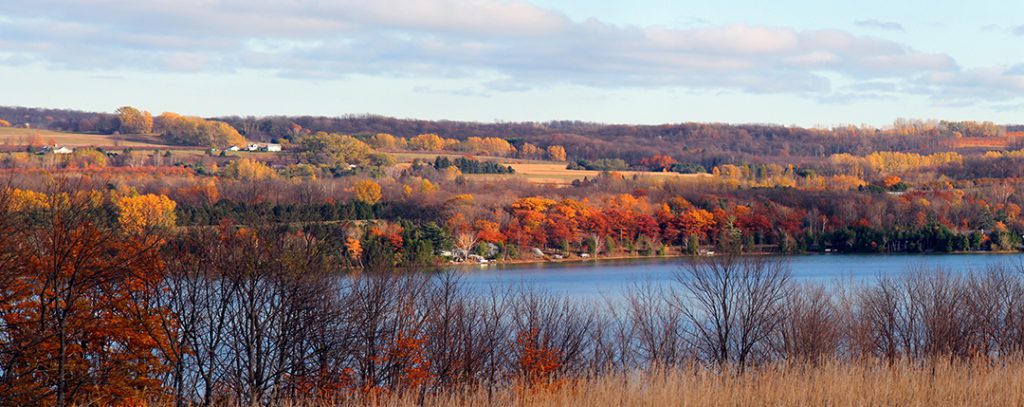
<point x="177" y="259"/>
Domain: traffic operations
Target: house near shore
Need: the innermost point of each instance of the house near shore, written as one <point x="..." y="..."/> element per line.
<point x="57" y="150"/>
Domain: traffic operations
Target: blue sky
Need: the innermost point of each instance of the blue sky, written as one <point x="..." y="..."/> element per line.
<point x="807" y="63"/>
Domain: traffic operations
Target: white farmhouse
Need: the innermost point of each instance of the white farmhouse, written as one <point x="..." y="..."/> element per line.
<point x="54" y="149"/>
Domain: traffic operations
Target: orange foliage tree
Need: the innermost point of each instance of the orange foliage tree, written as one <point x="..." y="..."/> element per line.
<point x="658" y="162"/>
<point x="537" y="362"/>
<point x="70" y="333"/>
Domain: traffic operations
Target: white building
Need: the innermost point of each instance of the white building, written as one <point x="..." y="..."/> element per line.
<point x="273" y="148"/>
<point x="54" y="149"/>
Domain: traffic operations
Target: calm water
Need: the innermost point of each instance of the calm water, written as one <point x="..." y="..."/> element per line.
<point x="598" y="278"/>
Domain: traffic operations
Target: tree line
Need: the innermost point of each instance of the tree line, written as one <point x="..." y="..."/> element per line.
<point x="468" y="165"/>
<point x="103" y="303"/>
<point x="706" y="144"/>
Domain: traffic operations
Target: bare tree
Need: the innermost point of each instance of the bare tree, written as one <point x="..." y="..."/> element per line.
<point x="812" y="328"/>
<point x="735" y="305"/>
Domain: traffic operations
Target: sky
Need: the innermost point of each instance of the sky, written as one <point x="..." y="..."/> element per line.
<point x="806" y="63"/>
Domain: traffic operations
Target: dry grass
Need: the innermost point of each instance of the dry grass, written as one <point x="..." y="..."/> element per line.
<point x="837" y="384"/>
<point x="21" y="137"/>
<point x="556" y="173"/>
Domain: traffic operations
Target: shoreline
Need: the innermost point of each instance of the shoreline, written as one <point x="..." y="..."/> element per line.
<point x="576" y="259"/>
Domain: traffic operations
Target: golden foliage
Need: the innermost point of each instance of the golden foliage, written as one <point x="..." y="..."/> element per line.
<point x="134" y="121"/>
<point x="556" y="153"/>
<point x="249" y="170"/>
<point x="196" y="131"/>
<point x="890" y="162"/>
<point x="533" y="203"/>
<point x="844" y="182"/>
<point x="387" y="141"/>
<point x="87" y="157"/>
<point x="488" y="146"/>
<point x="140" y="213"/>
<point x="528" y="150"/>
<point x="461" y="199"/>
<point x="451" y="173"/>
<point x="368" y="191"/>
<point x="417" y="187"/>
<point x="427" y="142"/>
<point x="27" y="200"/>
<point x="333" y="150"/>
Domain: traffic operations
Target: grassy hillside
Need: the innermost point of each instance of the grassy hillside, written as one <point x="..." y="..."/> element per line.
<point x="21" y="137"/>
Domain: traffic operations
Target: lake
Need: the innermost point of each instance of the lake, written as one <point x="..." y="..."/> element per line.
<point x="597" y="278"/>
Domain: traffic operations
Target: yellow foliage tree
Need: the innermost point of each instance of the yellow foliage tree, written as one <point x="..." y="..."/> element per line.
<point x="556" y="153"/>
<point x="134" y="121"/>
<point x="488" y="146"/>
<point x="26" y="200"/>
<point x="844" y="182"/>
<point x="888" y="162"/>
<point x="451" y="173"/>
<point x="249" y="170"/>
<point x="368" y="191"/>
<point x="460" y="199"/>
<point x="196" y="131"/>
<point x="5" y="123"/>
<point x="427" y="142"/>
<point x="145" y="212"/>
<point x="528" y="150"/>
<point x="87" y="157"/>
<point x="418" y="186"/>
<point x="533" y="203"/>
<point x="387" y="141"/>
<point x="333" y="150"/>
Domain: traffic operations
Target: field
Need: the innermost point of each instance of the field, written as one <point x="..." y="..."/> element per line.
<point x="556" y="173"/>
<point x="20" y="137"/>
<point x="534" y="171"/>
<point x="992" y="143"/>
<point x="937" y="383"/>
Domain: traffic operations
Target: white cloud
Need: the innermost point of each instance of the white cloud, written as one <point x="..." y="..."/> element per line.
<point x="522" y="45"/>
<point x="882" y="25"/>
